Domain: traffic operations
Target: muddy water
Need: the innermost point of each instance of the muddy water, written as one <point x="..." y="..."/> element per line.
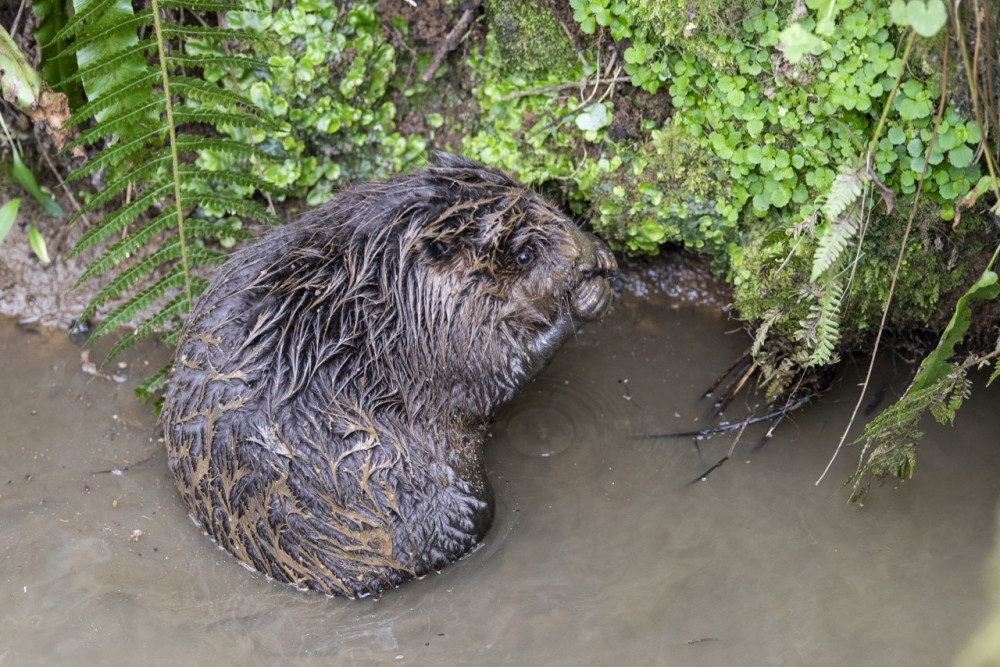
<point x="601" y="553"/>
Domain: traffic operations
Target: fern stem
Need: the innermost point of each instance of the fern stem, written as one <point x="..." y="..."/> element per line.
<point x="175" y="160"/>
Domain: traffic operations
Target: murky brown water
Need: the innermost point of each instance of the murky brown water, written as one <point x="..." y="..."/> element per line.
<point x="601" y="552"/>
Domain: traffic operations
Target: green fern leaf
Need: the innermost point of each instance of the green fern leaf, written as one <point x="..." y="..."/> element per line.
<point x="139" y="105"/>
<point x="203" y="5"/>
<point x="173" y="334"/>
<point x="109" y="191"/>
<point x="175" y="308"/>
<point x="152" y="385"/>
<point x="184" y="60"/>
<point x="820" y="331"/>
<point x="133" y="275"/>
<point x="169" y="251"/>
<point x="144" y="17"/>
<point x="88" y="15"/>
<point x="188" y="144"/>
<point x="117" y="123"/>
<point x="221" y="118"/>
<point x="236" y="206"/>
<point x="994" y="375"/>
<point x="130" y="309"/>
<point x="121" y="250"/>
<point x="115" y="60"/>
<point x="218" y="229"/>
<point x="210" y="33"/>
<point x="208" y="93"/>
<point x="224" y="176"/>
<point x="844" y="192"/>
<point x="770" y="318"/>
<point x="831" y="245"/>
<point x="118" y="154"/>
<point x="146" y="79"/>
<point x="122" y="217"/>
<point x="827" y="315"/>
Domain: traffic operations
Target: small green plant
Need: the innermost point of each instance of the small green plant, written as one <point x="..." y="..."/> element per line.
<point x="8" y="214"/>
<point x="24" y="177"/>
<point x="329" y="82"/>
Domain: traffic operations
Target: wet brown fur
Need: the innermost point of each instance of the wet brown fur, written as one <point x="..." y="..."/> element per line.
<point x="325" y="414"/>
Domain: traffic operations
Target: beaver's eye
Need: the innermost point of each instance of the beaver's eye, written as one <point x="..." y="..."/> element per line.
<point x="525" y="258"/>
<point x="437" y="249"/>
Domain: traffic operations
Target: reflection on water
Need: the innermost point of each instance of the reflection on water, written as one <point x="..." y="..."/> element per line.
<point x="601" y="550"/>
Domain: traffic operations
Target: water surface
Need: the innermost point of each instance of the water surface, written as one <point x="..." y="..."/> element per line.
<point x="602" y="551"/>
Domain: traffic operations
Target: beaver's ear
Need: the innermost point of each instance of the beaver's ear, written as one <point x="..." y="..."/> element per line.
<point x="452" y="161"/>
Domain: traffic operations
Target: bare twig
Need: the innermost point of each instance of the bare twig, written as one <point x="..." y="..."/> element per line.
<point x="64" y="229"/>
<point x="581" y="84"/>
<point x="451" y="41"/>
<point x="724" y="428"/>
<point x="17" y="18"/>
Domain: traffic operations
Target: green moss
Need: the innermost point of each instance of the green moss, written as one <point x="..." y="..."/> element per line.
<point x="529" y="38"/>
<point x="690" y="25"/>
<point x="669" y="194"/>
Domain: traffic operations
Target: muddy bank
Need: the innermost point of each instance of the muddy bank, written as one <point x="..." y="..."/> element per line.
<point x="602" y="551"/>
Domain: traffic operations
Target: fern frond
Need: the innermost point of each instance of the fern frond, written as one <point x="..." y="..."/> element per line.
<point x="831" y="245"/>
<point x="845" y="191"/>
<point x="116" y="154"/>
<point x="209" y="32"/>
<point x="223" y="176"/>
<point x="111" y="96"/>
<point x="186" y="144"/>
<point x="122" y="249"/>
<point x="217" y="61"/>
<point x="130" y="309"/>
<point x="175" y="308"/>
<point x="995" y="374"/>
<point x="221" y="118"/>
<point x="144" y="17"/>
<point x="208" y="93"/>
<point x="88" y="15"/>
<point x="761" y="336"/>
<point x="117" y="123"/>
<point x="956" y="391"/>
<point x="152" y="385"/>
<point x="169" y="250"/>
<point x="890" y="438"/>
<point x="217" y="229"/>
<point x="236" y="206"/>
<point x="820" y="331"/>
<point x="153" y="268"/>
<point x="172" y="335"/>
<point x="203" y="5"/>
<point x="122" y="217"/>
<point x="120" y="56"/>
<point x="117" y="186"/>
<point x="827" y="315"/>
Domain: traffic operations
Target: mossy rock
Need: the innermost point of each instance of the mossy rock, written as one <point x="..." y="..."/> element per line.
<point x="530" y="38"/>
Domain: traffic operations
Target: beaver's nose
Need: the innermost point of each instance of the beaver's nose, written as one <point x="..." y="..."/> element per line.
<point x="597" y="260"/>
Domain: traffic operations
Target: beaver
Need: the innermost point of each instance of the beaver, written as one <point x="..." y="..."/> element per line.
<point x="325" y="414"/>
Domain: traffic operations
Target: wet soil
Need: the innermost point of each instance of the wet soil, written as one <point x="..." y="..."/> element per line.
<point x="602" y="552"/>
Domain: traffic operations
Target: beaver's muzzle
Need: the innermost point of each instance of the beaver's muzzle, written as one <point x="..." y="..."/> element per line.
<point x="593" y="294"/>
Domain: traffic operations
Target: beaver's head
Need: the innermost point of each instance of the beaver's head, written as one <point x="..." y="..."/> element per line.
<point x="493" y="280"/>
